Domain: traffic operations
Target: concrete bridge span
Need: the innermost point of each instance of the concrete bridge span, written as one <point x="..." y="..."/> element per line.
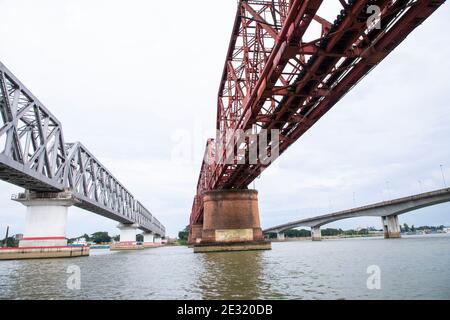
<point x="387" y="210"/>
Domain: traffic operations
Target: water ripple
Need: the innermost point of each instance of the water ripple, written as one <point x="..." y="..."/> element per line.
<point x="412" y="268"/>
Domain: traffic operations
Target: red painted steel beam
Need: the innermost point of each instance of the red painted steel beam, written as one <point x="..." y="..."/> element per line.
<point x="296" y="22"/>
<point x="272" y="79"/>
<point x="383" y="43"/>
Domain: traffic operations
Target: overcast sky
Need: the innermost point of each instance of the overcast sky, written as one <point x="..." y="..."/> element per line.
<point x="135" y="80"/>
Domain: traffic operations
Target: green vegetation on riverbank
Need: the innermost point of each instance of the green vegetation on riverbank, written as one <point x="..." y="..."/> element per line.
<point x="363" y="232"/>
<point x="97" y="237"/>
<point x="428" y="229"/>
<point x="11" y="242"/>
<point x="329" y="232"/>
<point x="183" y="236"/>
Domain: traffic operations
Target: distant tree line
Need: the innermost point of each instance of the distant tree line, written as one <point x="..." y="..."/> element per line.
<point x="294" y="233"/>
<point x="183" y="236"/>
<point x="103" y="237"/>
<point x="328" y="232"/>
<point x="11" y="242"/>
<point x="406" y="228"/>
<point x="96" y="237"/>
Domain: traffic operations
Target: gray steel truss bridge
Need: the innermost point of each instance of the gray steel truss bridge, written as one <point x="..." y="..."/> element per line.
<point x="34" y="155"/>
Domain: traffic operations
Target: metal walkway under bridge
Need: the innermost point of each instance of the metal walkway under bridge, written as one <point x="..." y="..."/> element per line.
<point x="35" y="156"/>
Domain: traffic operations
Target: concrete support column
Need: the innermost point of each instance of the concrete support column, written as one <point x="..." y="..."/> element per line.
<point x="127" y="238"/>
<point x="391" y="227"/>
<point x="148" y="239"/>
<point x="157" y="240"/>
<point x="231" y="222"/>
<point x="46" y="218"/>
<point x="45" y="227"/>
<point x="316" y="234"/>
<point x="281" y="236"/>
<point x="127" y="233"/>
<point x="195" y="233"/>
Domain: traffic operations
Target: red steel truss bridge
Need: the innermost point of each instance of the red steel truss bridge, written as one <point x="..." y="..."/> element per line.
<point x="276" y="76"/>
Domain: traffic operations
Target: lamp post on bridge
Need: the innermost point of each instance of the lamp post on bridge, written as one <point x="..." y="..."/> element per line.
<point x="420" y="186"/>
<point x="443" y="176"/>
<point x="330" y="203"/>
<point x="382" y="195"/>
<point x="389" y="190"/>
<point x="6" y="237"/>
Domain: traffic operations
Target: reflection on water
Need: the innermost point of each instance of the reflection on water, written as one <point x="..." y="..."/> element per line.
<point x="411" y="268"/>
<point x="233" y="275"/>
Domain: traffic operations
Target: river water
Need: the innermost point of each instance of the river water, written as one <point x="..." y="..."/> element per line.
<point x="414" y="267"/>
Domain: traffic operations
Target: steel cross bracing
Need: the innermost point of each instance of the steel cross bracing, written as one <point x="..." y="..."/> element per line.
<point x="275" y="79"/>
<point x="34" y="156"/>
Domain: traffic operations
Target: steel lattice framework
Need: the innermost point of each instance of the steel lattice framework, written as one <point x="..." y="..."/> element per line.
<point x="34" y="156"/>
<point x="275" y="79"/>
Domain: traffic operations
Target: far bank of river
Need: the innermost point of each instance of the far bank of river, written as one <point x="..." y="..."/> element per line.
<point x="372" y="235"/>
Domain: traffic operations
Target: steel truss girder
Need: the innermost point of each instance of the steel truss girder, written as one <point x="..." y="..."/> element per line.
<point x="272" y="79"/>
<point x="34" y="156"/>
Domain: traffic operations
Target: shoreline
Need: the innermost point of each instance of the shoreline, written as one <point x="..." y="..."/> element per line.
<point x="355" y="236"/>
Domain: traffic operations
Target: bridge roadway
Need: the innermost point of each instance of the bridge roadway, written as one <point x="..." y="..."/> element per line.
<point x="387" y="210"/>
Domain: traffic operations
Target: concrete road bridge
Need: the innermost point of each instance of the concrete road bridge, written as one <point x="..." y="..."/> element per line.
<point x="387" y="210"/>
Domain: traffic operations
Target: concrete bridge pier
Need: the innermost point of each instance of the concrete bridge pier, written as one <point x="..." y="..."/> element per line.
<point x="391" y="227"/>
<point x="316" y="234"/>
<point x="45" y="227"/>
<point x="158" y="240"/>
<point x="195" y="233"/>
<point x="148" y="240"/>
<point x="230" y="222"/>
<point x="127" y="240"/>
<point x="281" y="236"/>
